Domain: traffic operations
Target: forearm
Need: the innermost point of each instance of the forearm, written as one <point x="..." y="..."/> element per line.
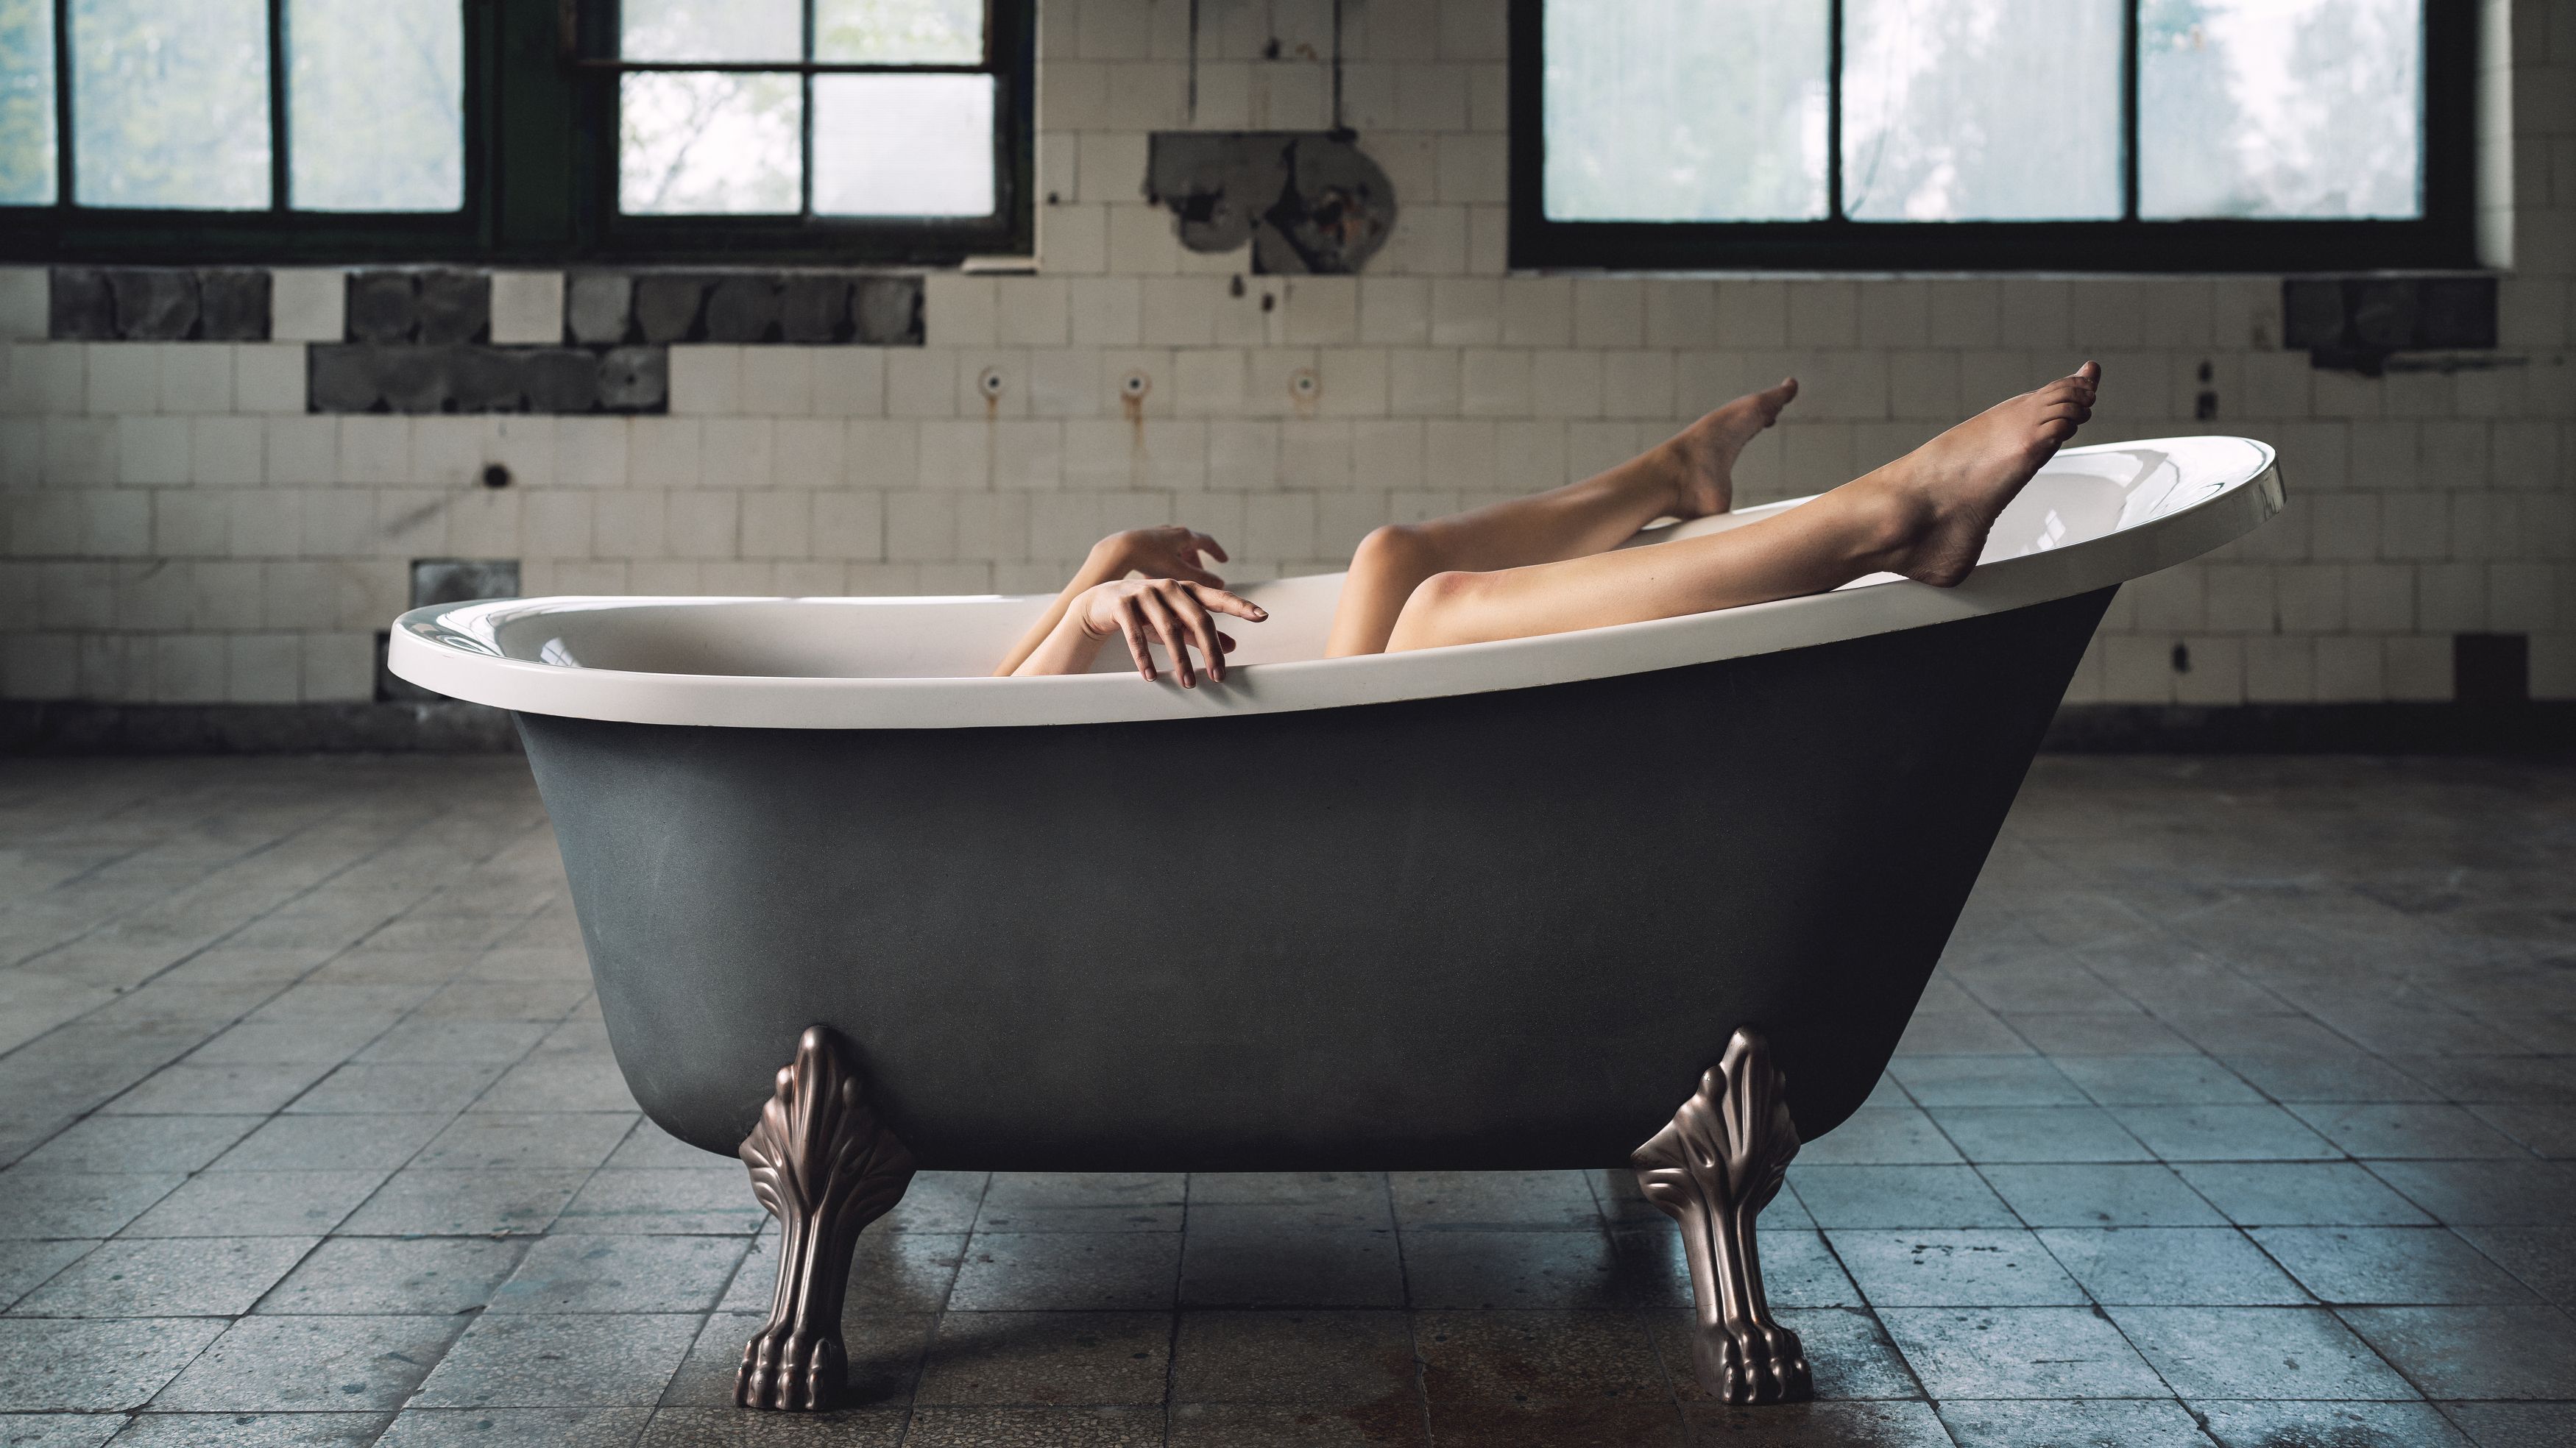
<point x="1098" y="568"/>
<point x="1067" y="648"/>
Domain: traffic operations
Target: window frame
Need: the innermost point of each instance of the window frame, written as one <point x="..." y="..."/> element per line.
<point x="540" y="180"/>
<point x="2443" y="238"/>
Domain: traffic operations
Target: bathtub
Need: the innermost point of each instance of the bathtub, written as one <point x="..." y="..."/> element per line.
<point x="853" y="907"/>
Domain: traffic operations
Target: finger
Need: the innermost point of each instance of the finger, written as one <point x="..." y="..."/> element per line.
<point x="1225" y="641"/>
<point x="1160" y="616"/>
<point x="1211" y="546"/>
<point x="1224" y="602"/>
<point x="1192" y="574"/>
<point x="1194" y="617"/>
<point x="1133" y="629"/>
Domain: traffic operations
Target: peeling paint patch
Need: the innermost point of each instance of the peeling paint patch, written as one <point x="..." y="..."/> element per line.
<point x="1308" y="201"/>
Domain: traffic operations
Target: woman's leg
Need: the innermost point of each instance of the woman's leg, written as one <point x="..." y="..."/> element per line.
<point x="1924" y="515"/>
<point x="1687" y="475"/>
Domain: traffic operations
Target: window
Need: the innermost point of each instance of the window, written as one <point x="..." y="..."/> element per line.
<point x="829" y="131"/>
<point x="2066" y="135"/>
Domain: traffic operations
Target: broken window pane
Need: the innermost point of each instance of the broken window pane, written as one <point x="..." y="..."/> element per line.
<point x="711" y="30"/>
<point x="375" y="94"/>
<point x="2280" y="108"/>
<point x="903" y="145"/>
<point x="1678" y="110"/>
<point x="26" y="103"/>
<point x="1981" y="110"/>
<point x="170" y="103"/>
<point x="709" y="142"/>
<point x="888" y="32"/>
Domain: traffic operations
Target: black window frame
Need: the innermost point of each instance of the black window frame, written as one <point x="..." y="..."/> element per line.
<point x="540" y="112"/>
<point x="2443" y="238"/>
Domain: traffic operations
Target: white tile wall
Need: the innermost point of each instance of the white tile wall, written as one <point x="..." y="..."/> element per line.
<point x="177" y="527"/>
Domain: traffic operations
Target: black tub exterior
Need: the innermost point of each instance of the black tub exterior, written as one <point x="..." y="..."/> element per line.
<point x="1502" y="930"/>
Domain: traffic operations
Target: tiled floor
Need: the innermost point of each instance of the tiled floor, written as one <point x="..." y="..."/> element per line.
<point x="2241" y="1111"/>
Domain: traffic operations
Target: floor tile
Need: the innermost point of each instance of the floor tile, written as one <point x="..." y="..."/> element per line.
<point x="440" y="1087"/>
<point x="515" y="1428"/>
<point x="37" y="1203"/>
<point x="320" y="1143"/>
<point x="1067" y="1272"/>
<point x="2203" y="1266"/>
<point x="1544" y="1270"/>
<point x="2223" y="1133"/>
<point x="1819" y="1425"/>
<point x="648" y="1148"/>
<point x="2389" y="1265"/>
<point x="252" y="1430"/>
<point x="1070" y="1427"/>
<point x="2547" y="1128"/>
<point x="419" y="1201"/>
<point x="1291" y="1267"/>
<point x="2258" y="1352"/>
<point x="2411" y="1130"/>
<point x="311" y="1363"/>
<point x="1493" y="1201"/>
<point x="889" y="1272"/>
<point x="1048" y="1357"/>
<point x="26" y="1265"/>
<point x="88" y="1367"/>
<point x="884" y="1349"/>
<point x="546" y="1141"/>
<point x="139" y="1144"/>
<point x="1083" y="1202"/>
<point x="2142" y="1423"/>
<point x="382" y="1275"/>
<point x="2487" y="1193"/>
<point x="1847" y="1353"/>
<point x="185" y="1089"/>
<point x="1572" y="1425"/>
<point x="937" y="1201"/>
<point x="2038" y="1134"/>
<point x="2156" y="1080"/>
<point x="728" y="1427"/>
<point x="593" y="1273"/>
<point x="510" y="1361"/>
<point x="2543" y="1258"/>
<point x="2108" y="1195"/>
<point x="1798" y="1270"/>
<point x="1986" y="1081"/>
<point x="259" y="1204"/>
<point x="1909" y="1197"/>
<point x="498" y="1043"/>
<point x="187" y="1277"/>
<point x="1293" y="1357"/>
<point x="1538" y="1357"/>
<point x="2474" y="1352"/>
<point x="2019" y="1352"/>
<point x="2322" y="1194"/>
<point x="2515" y="1425"/>
<point x="1959" y="1033"/>
<point x="1295" y="1425"/>
<point x="2344" y="1425"/>
<point x="1876" y="1137"/>
<point x="1986" y="1268"/>
<point x="664" y="1201"/>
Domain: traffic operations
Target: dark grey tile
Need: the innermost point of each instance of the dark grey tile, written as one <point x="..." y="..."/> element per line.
<point x="2019" y="1352"/>
<point x="139" y="1144"/>
<point x="2106" y="1033"/>
<point x="1563" y="1271"/>
<point x="2515" y="1425"/>
<point x="2544" y="1258"/>
<point x="2344" y="1425"/>
<point x="1232" y="1200"/>
<point x="385" y="1275"/>
<point x="511" y="1361"/>
<point x="1294" y="1357"/>
<point x="664" y="1201"/>
<point x="1957" y="1033"/>
<point x="597" y="1273"/>
<point x="311" y="1143"/>
<point x="1069" y="1427"/>
<point x="2038" y="1134"/>
<point x="272" y="1364"/>
<point x="1538" y="1357"/>
<point x="2411" y="1130"/>
<point x="1047" y="1357"/>
<point x="36" y="1203"/>
<point x="2389" y="1265"/>
<point x="1571" y="1425"/>
<point x="185" y="1277"/>
<point x="2347" y="1076"/>
<point x="1290" y="1267"/>
<point x="2548" y="1128"/>
<point x="515" y="1428"/>
<point x="1083" y="1202"/>
<point x="1879" y="1137"/>
<point x="252" y="1430"/>
<point x="1985" y="1081"/>
<point x="2200" y="1266"/>
<point x="2082" y="1195"/>
<point x="2474" y="1352"/>
<point x="1898" y="1196"/>
<point x="649" y="1148"/>
<point x="572" y="1141"/>
<point x="2156" y="1080"/>
<point x="1493" y="1200"/>
<point x="731" y="1427"/>
<point x="1979" y="1268"/>
<point x="497" y="1043"/>
<point x="2223" y="1133"/>
<point x="420" y="1201"/>
<point x="2258" y="1352"/>
<point x="1295" y="1425"/>
<point x="56" y="1366"/>
<point x="1066" y="1271"/>
<point x="2140" y="1423"/>
<point x="258" y="1204"/>
<point x="2487" y="1193"/>
<point x="2293" y="1195"/>
<point x="1810" y="1425"/>
<point x="884" y="1351"/>
<point x="2495" y="1078"/>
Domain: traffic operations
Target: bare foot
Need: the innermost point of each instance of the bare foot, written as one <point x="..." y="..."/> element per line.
<point x="1705" y="451"/>
<point x="1950" y="490"/>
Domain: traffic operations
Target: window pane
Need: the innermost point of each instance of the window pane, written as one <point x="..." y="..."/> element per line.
<point x="1981" y="110"/>
<point x="708" y="143"/>
<point x="375" y="94"/>
<point x="941" y="32"/>
<point x="1679" y="110"/>
<point x="26" y="103"/>
<point x="2280" y="108"/>
<point x="170" y="103"/>
<point x="711" y="30"/>
<point x="903" y="145"/>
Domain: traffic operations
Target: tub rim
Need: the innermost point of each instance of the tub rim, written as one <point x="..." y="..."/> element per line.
<point x="450" y="648"/>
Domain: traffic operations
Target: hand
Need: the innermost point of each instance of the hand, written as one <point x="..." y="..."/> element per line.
<point x="1157" y="553"/>
<point x="1169" y="611"/>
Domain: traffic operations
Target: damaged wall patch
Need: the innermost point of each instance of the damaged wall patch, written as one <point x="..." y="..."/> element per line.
<point x="1308" y="201"/>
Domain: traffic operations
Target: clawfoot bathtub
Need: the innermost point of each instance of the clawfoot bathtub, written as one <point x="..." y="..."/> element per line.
<point x="851" y="907"/>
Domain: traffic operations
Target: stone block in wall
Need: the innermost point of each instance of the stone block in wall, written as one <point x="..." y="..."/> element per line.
<point x="384" y="306"/>
<point x="417" y="379"/>
<point x="455" y="306"/>
<point x="80" y="307"/>
<point x="742" y="309"/>
<point x="232" y="304"/>
<point x="814" y="309"/>
<point x="596" y="307"/>
<point x="666" y="307"/>
<point x="634" y="379"/>
<point x="153" y="304"/>
<point x="886" y="312"/>
<point x="561" y="379"/>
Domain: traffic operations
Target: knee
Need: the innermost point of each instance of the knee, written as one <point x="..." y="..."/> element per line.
<point x="1439" y="611"/>
<point x="1398" y="549"/>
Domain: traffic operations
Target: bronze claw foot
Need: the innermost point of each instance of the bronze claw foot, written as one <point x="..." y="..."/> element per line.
<point x="1713" y="1171"/>
<point x="824" y="1164"/>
